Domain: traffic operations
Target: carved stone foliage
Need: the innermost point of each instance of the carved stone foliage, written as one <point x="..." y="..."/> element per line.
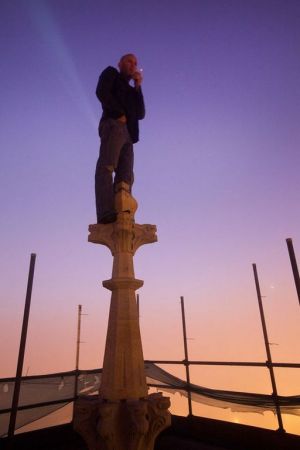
<point x="106" y="423"/>
<point x="85" y="420"/>
<point x="122" y="236"/>
<point x="159" y="417"/>
<point x="143" y="234"/>
<point x="130" y="425"/>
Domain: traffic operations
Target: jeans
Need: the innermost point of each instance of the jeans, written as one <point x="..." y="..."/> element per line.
<point x="116" y="155"/>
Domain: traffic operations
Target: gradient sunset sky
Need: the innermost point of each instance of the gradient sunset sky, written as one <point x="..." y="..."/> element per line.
<point x="216" y="169"/>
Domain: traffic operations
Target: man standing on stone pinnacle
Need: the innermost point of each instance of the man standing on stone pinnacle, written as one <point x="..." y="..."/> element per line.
<point x="123" y="106"/>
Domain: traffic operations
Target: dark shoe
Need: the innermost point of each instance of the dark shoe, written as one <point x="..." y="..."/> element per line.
<point x="109" y="217"/>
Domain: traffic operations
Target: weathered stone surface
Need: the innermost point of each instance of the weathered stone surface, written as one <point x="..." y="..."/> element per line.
<point x="123" y="373"/>
<point x="124" y="417"/>
<point x="126" y="425"/>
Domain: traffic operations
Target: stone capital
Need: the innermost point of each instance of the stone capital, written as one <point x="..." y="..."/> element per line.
<point x="123" y="235"/>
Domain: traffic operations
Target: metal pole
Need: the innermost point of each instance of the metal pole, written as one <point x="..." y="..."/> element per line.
<point x="15" y="400"/>
<point x="186" y="358"/>
<point x="267" y="345"/>
<point x="294" y="265"/>
<point x="77" y="350"/>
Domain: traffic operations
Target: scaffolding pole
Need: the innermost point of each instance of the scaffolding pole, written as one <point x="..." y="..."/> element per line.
<point x="268" y="351"/>
<point x="186" y="358"/>
<point x="294" y="265"/>
<point x="17" y="387"/>
<point x="77" y="350"/>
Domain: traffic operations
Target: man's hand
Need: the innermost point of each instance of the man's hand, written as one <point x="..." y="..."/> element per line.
<point x="137" y="78"/>
<point x="122" y="119"/>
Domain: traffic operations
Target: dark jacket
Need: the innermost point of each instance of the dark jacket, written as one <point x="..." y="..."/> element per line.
<point x="118" y="98"/>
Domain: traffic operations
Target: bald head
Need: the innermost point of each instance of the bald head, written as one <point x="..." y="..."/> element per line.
<point x="128" y="65"/>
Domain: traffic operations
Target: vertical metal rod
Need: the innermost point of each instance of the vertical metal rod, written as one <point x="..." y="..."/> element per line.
<point x="77" y="351"/>
<point x="267" y="345"/>
<point x="294" y="265"/>
<point x="186" y="357"/>
<point x="138" y="304"/>
<point x="17" y="387"/>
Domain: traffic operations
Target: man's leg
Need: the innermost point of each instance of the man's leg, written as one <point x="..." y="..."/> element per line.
<point x="112" y="139"/>
<point x="124" y="170"/>
<point x="104" y="190"/>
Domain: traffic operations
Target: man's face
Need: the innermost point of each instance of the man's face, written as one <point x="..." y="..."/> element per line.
<point x="128" y="65"/>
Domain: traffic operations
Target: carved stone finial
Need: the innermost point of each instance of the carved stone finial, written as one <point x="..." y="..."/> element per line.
<point x="123" y="416"/>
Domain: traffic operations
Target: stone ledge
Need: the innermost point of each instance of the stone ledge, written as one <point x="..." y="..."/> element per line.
<point x="122" y="283"/>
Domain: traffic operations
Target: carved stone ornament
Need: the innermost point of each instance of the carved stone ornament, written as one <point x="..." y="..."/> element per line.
<point x="125" y="425"/>
<point x="124" y="235"/>
<point x="122" y="417"/>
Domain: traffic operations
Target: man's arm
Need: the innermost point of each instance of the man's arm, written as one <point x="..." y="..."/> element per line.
<point x="140" y="105"/>
<point x="139" y="99"/>
<point x="104" y="93"/>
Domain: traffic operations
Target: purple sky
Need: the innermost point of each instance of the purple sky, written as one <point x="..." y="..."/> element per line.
<point x="217" y="170"/>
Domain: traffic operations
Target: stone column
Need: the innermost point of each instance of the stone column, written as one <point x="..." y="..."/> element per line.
<point x="124" y="417"/>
